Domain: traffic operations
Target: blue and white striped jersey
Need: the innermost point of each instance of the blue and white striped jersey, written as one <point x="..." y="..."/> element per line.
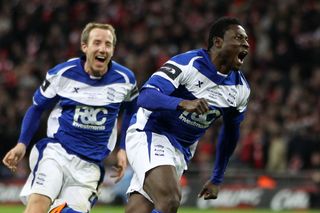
<point x="190" y="76"/>
<point x="84" y="117"/>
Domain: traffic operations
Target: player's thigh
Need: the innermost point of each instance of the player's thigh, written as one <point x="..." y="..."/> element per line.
<point x="137" y="203"/>
<point x="46" y="178"/>
<point x="162" y="182"/>
<point x="80" y="188"/>
<point x="153" y="157"/>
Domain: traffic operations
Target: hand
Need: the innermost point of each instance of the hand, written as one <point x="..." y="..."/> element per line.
<point x="13" y="157"/>
<point x="199" y="106"/>
<point x="209" y="191"/>
<point x="121" y="165"/>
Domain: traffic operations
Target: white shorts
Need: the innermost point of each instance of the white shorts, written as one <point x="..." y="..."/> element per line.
<point x="147" y="152"/>
<point x="62" y="177"/>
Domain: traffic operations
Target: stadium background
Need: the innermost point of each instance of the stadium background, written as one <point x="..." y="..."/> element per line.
<point x="279" y="148"/>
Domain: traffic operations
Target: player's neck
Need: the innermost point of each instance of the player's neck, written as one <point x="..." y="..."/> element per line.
<point x="218" y="62"/>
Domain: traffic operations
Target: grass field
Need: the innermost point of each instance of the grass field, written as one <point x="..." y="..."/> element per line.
<point x="103" y="209"/>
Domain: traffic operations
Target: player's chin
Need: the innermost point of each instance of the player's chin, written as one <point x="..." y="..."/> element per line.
<point x="236" y="66"/>
<point x="99" y="71"/>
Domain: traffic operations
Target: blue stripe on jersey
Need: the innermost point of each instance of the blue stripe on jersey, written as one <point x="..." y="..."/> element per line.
<point x="41" y="145"/>
<point x="78" y="73"/>
<point x="125" y="71"/>
<point x="234" y="78"/>
<point x="149" y="140"/>
<point x="163" y="84"/>
<point x="57" y="68"/>
<point x="185" y="58"/>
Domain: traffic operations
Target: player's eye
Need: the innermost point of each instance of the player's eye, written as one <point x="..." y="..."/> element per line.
<point x="108" y="44"/>
<point x="96" y="43"/>
<point x="241" y="37"/>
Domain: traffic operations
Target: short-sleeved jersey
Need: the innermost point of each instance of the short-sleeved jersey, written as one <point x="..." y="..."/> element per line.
<point x="190" y="76"/>
<point x="85" y="108"/>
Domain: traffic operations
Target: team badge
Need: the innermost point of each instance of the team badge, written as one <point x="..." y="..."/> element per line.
<point x="45" y="85"/>
<point x="171" y="70"/>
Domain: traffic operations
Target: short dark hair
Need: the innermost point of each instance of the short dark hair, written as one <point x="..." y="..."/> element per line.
<point x="219" y="27"/>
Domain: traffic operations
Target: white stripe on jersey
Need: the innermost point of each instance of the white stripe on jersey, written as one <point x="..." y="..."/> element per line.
<point x="93" y="96"/>
<point x="53" y="121"/>
<point x="143" y="115"/>
<point x="50" y="92"/>
<point x="113" y="137"/>
<point x="182" y="67"/>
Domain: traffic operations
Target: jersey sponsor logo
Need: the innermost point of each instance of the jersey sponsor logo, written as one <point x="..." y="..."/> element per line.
<point x="202" y="121"/>
<point x="86" y="117"/>
<point x="171" y="70"/>
<point x="45" y="85"/>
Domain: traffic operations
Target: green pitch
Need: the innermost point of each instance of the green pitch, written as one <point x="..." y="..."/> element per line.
<point x="105" y="209"/>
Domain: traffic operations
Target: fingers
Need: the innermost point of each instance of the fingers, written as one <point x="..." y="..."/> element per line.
<point x="119" y="170"/>
<point x="203" y="191"/>
<point x="208" y="194"/>
<point x="118" y="173"/>
<point x="10" y="160"/>
<point x="202" y="107"/>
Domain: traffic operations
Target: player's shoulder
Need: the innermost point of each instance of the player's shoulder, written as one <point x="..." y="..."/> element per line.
<point x="64" y="66"/>
<point x="187" y="57"/>
<point x="127" y="74"/>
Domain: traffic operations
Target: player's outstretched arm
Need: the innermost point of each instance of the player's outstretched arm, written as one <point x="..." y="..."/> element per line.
<point x="13" y="157"/>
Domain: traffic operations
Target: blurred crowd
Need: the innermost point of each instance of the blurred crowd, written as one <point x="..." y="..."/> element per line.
<point x="281" y="131"/>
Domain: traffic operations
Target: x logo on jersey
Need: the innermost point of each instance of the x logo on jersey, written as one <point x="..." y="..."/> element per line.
<point x="199" y="83"/>
<point x="76" y="89"/>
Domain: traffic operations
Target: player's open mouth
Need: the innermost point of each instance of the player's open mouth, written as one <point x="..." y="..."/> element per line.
<point x="242" y="55"/>
<point x="100" y="58"/>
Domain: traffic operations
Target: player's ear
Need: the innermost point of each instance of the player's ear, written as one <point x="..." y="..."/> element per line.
<point x="217" y="42"/>
<point x="84" y="47"/>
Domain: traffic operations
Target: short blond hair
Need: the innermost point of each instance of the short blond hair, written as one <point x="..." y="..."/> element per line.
<point x="92" y="25"/>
